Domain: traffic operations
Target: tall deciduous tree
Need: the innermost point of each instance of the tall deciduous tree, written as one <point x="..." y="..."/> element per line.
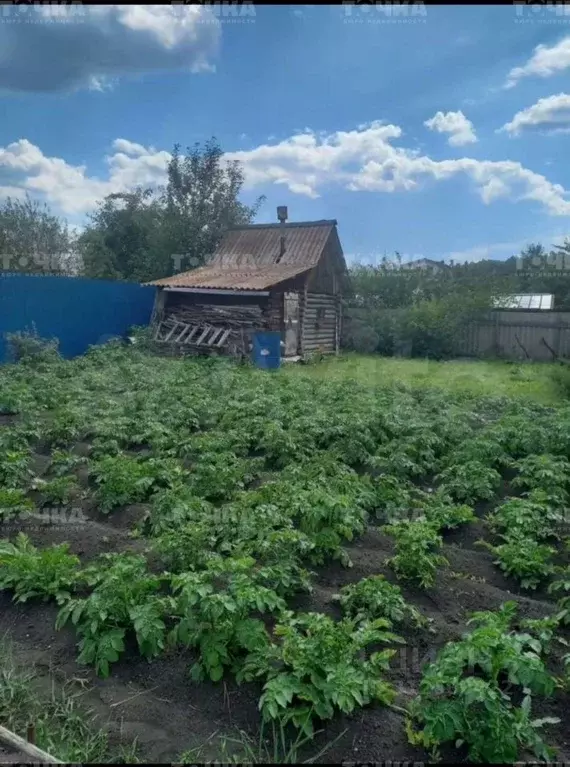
<point x="33" y="239"/>
<point x="123" y="238"/>
<point x="202" y="201"/>
<point x="144" y="235"/>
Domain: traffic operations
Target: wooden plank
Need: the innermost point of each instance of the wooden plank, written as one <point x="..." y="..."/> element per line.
<point x="184" y="330"/>
<point x="157" y="331"/>
<point x="167" y="338"/>
<point x="223" y="338"/>
<point x="9" y="737"/>
<point x="191" y="334"/>
<point x="203" y="336"/>
<point x="216" y="334"/>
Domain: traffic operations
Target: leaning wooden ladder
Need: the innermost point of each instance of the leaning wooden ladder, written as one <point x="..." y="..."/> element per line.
<point x="200" y="336"/>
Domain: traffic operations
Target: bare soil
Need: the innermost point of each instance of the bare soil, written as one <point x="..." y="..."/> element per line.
<point x="158" y="704"/>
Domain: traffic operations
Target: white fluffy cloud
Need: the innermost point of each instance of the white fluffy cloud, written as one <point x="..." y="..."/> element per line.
<point x="363" y="160"/>
<point x="68" y="187"/>
<point x="91" y="46"/>
<point x="551" y="113"/>
<point x="459" y="128"/>
<point x="544" y="62"/>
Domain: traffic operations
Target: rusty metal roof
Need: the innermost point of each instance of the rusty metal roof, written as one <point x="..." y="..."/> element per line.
<point x="247" y="257"/>
<point x="259" y="244"/>
<point x="220" y="278"/>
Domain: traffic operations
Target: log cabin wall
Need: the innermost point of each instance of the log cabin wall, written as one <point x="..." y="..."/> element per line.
<point x="320" y="323"/>
<point x="320" y="304"/>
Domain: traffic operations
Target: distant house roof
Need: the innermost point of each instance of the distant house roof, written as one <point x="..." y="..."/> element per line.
<point x="543" y="301"/>
<point x="248" y="257"/>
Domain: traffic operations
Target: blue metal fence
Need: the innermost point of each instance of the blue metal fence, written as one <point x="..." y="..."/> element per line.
<point x="76" y="310"/>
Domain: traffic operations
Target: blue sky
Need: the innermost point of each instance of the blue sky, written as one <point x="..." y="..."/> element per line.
<point x="441" y="132"/>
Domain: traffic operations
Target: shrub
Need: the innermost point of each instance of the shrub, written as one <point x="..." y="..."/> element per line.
<point x="27" y="346"/>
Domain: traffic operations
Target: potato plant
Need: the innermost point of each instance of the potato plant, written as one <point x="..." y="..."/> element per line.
<point x="417" y="545"/>
<point x="218" y="612"/>
<point x="314" y="667"/>
<point x="470" y="481"/>
<point x="523" y="558"/>
<point x="375" y="597"/>
<point x="467" y="695"/>
<point x="37" y="574"/>
<point x="124" y="597"/>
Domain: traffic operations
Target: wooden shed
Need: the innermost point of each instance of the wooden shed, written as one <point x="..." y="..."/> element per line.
<point x="285" y="277"/>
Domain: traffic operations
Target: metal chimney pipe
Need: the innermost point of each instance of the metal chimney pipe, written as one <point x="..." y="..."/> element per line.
<point x="282" y="217"/>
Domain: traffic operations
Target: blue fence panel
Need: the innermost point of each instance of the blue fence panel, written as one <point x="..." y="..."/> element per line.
<point x="76" y="310"/>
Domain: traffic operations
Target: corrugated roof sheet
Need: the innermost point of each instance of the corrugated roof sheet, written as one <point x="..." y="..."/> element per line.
<point x="259" y="244"/>
<point x="543" y="301"/>
<point x="246" y="258"/>
<point x="219" y="278"/>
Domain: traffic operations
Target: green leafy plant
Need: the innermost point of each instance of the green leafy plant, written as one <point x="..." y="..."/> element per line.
<point x="470" y="481"/>
<point x="465" y="694"/>
<point x="523" y="557"/>
<point x="561" y="588"/>
<point x="440" y="511"/>
<point x="525" y="517"/>
<point x="29" y="347"/>
<point x="13" y="502"/>
<point x="125" y="597"/>
<point x="218" y="610"/>
<point x="122" y="479"/>
<point x="547" y="472"/>
<point x="15" y="468"/>
<point x="59" y="491"/>
<point x="375" y="597"/>
<point x="544" y="632"/>
<point x="315" y="666"/>
<point x="416" y="556"/>
<point x="63" y="462"/>
<point x="32" y="573"/>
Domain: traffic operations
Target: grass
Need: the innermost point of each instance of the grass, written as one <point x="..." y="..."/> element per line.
<point x="478" y="378"/>
<point x="63" y="727"/>
<point x="273" y="746"/>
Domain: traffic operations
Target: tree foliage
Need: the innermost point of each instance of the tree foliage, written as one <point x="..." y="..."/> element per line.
<point x="390" y="309"/>
<point x="33" y="239"/>
<point x="144" y="234"/>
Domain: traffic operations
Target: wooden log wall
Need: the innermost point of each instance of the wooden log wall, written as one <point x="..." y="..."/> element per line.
<point x="320" y="323"/>
<point x="273" y="315"/>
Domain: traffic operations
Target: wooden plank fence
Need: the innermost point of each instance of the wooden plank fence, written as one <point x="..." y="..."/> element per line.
<point x="516" y="335"/>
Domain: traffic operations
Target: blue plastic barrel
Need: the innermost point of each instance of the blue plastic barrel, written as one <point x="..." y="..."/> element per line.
<point x="267" y="350"/>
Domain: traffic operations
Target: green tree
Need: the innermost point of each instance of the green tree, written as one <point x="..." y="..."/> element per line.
<point x="144" y="234"/>
<point x="202" y="202"/>
<point x="33" y="239"/>
<point x="123" y="238"/>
